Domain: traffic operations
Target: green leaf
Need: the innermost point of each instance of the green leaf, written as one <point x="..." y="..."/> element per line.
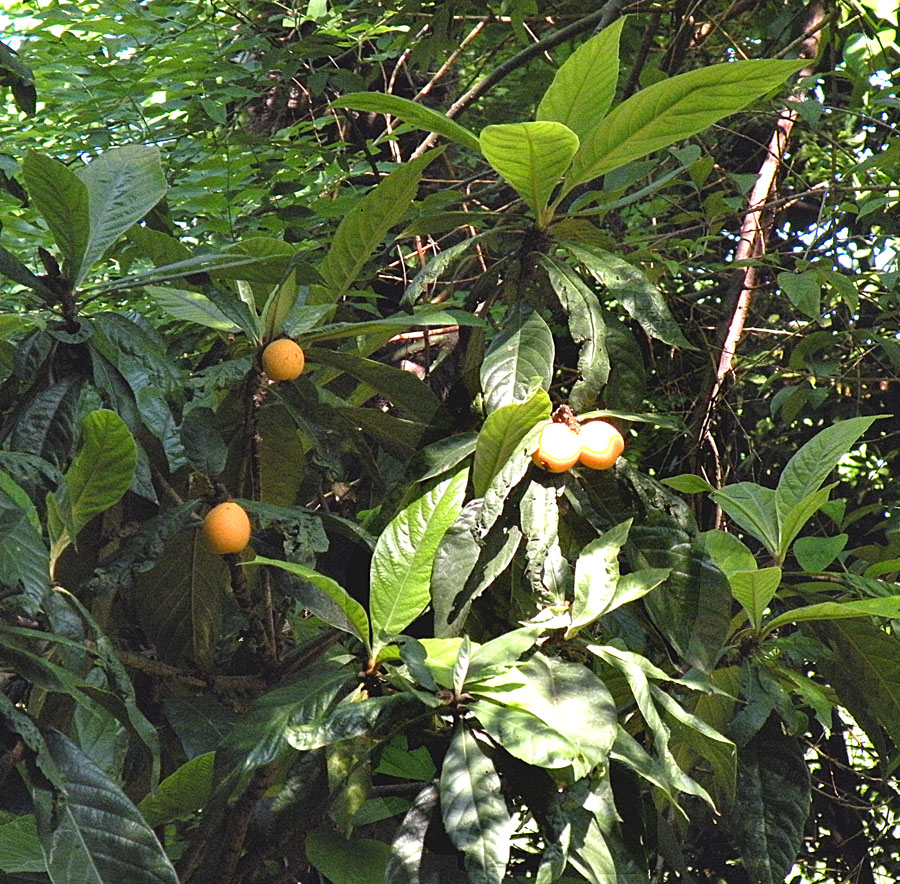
<point x="596" y="576"/>
<point x="585" y="85"/>
<point x="672" y="110"/>
<point x="628" y="285"/>
<point x="526" y="736"/>
<point x="358" y="861"/>
<point x="338" y="608"/>
<point x="502" y="436"/>
<point x="409" y="394"/>
<point x="408" y="846"/>
<point x="531" y="157"/>
<point x="473" y="809"/>
<point x="404" y="554"/>
<point x="12" y="268"/>
<point x="588" y="330"/>
<point x="365" y="226"/>
<point x="20" y="846"/>
<point x="792" y="522"/>
<point x="688" y="483"/>
<point x="771" y="805"/>
<point x="91" y="833"/>
<point x="817" y="553"/>
<point x="410" y="112"/>
<point x="889" y="606"/>
<point x="24" y="558"/>
<point x="191" y="307"/>
<point x="203" y="444"/>
<point x="521" y="352"/>
<point x="728" y="552"/>
<point x="98" y="477"/>
<point x="636" y="585"/>
<point x="804" y="291"/>
<point x="180" y="794"/>
<point x="393" y="324"/>
<point x="815" y="460"/>
<point x="122" y="184"/>
<point x="279" y="306"/>
<point x="62" y="198"/>
<point x="754" y="589"/>
<point x="753" y="508"/>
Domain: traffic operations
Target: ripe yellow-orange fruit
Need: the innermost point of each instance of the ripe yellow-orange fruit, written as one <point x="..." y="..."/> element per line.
<point x="227" y="528"/>
<point x="283" y="360"/>
<point x="558" y="448"/>
<point x="601" y="445"/>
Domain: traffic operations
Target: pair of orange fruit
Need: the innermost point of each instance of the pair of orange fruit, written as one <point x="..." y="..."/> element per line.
<point x="595" y="444"/>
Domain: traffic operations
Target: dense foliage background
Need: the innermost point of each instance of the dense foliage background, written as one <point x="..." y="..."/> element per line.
<point x="443" y="663"/>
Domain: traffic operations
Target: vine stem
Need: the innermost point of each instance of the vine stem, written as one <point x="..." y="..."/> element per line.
<point x="752" y="242"/>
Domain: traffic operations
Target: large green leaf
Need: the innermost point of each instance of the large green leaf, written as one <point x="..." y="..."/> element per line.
<point x="549" y="575"/>
<point x="502" y="436"/>
<point x="532" y="157"/>
<point x="585" y="85"/>
<point x="521" y="352"/>
<point x="24" y="558"/>
<point x="754" y="589"/>
<point x="279" y="306"/>
<point x="122" y="184"/>
<point x="674" y="109"/>
<point x="408" y="845"/>
<point x="596" y="577"/>
<point x="12" y="268"/>
<point x="815" y="460"/>
<point x="365" y="226"/>
<point x="404" y="555"/>
<point x="62" y="198"/>
<point x="771" y="805"/>
<point x="182" y="793"/>
<point x="693" y="607"/>
<point x="358" y="861"/>
<point x="91" y="833"/>
<point x="473" y="809"/>
<point x="98" y="477"/>
<point x="752" y="506"/>
<point x="20" y="846"/>
<point x="588" y="330"/>
<point x="628" y="285"/>
<point x="337" y="608"/>
<point x="410" y="112"/>
<point x="888" y="606"/>
<point x="191" y="307"/>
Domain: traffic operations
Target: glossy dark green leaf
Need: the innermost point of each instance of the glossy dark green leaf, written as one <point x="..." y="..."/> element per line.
<point x="521" y="352"/>
<point x="20" y="846"/>
<point x="588" y="330"/>
<point x="203" y="443"/>
<point x="772" y="804"/>
<point x="408" y="845"/>
<point x="92" y="833"/>
<point x="184" y="792"/>
<point x="473" y="809"/>
<point x="24" y="558"/>
<point x="45" y="424"/>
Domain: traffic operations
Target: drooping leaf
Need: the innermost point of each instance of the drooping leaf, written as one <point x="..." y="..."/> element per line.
<point x="24" y="558"/>
<point x="91" y="833"/>
<point x="531" y="157"/>
<point x="672" y="110"/>
<point x="365" y="226"/>
<point x="549" y="575"/>
<point x="408" y="846"/>
<point x="62" y="199"/>
<point x="753" y="508"/>
<point x="180" y="794"/>
<point x="122" y="184"/>
<point x="628" y="285"/>
<point x="404" y="555"/>
<point x="98" y="477"/>
<point x="191" y="307"/>
<point x="337" y="608"/>
<point x="522" y="351"/>
<point x="203" y="444"/>
<point x="771" y="804"/>
<point x="20" y="846"/>
<point x="596" y="577"/>
<point x="502" y="436"/>
<point x="588" y="330"/>
<point x="12" y="268"/>
<point x="883" y="607"/>
<point x="473" y="809"/>
<point x="585" y="84"/>
<point x="279" y="306"/>
<point x="410" y="112"/>
<point x="357" y="861"/>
